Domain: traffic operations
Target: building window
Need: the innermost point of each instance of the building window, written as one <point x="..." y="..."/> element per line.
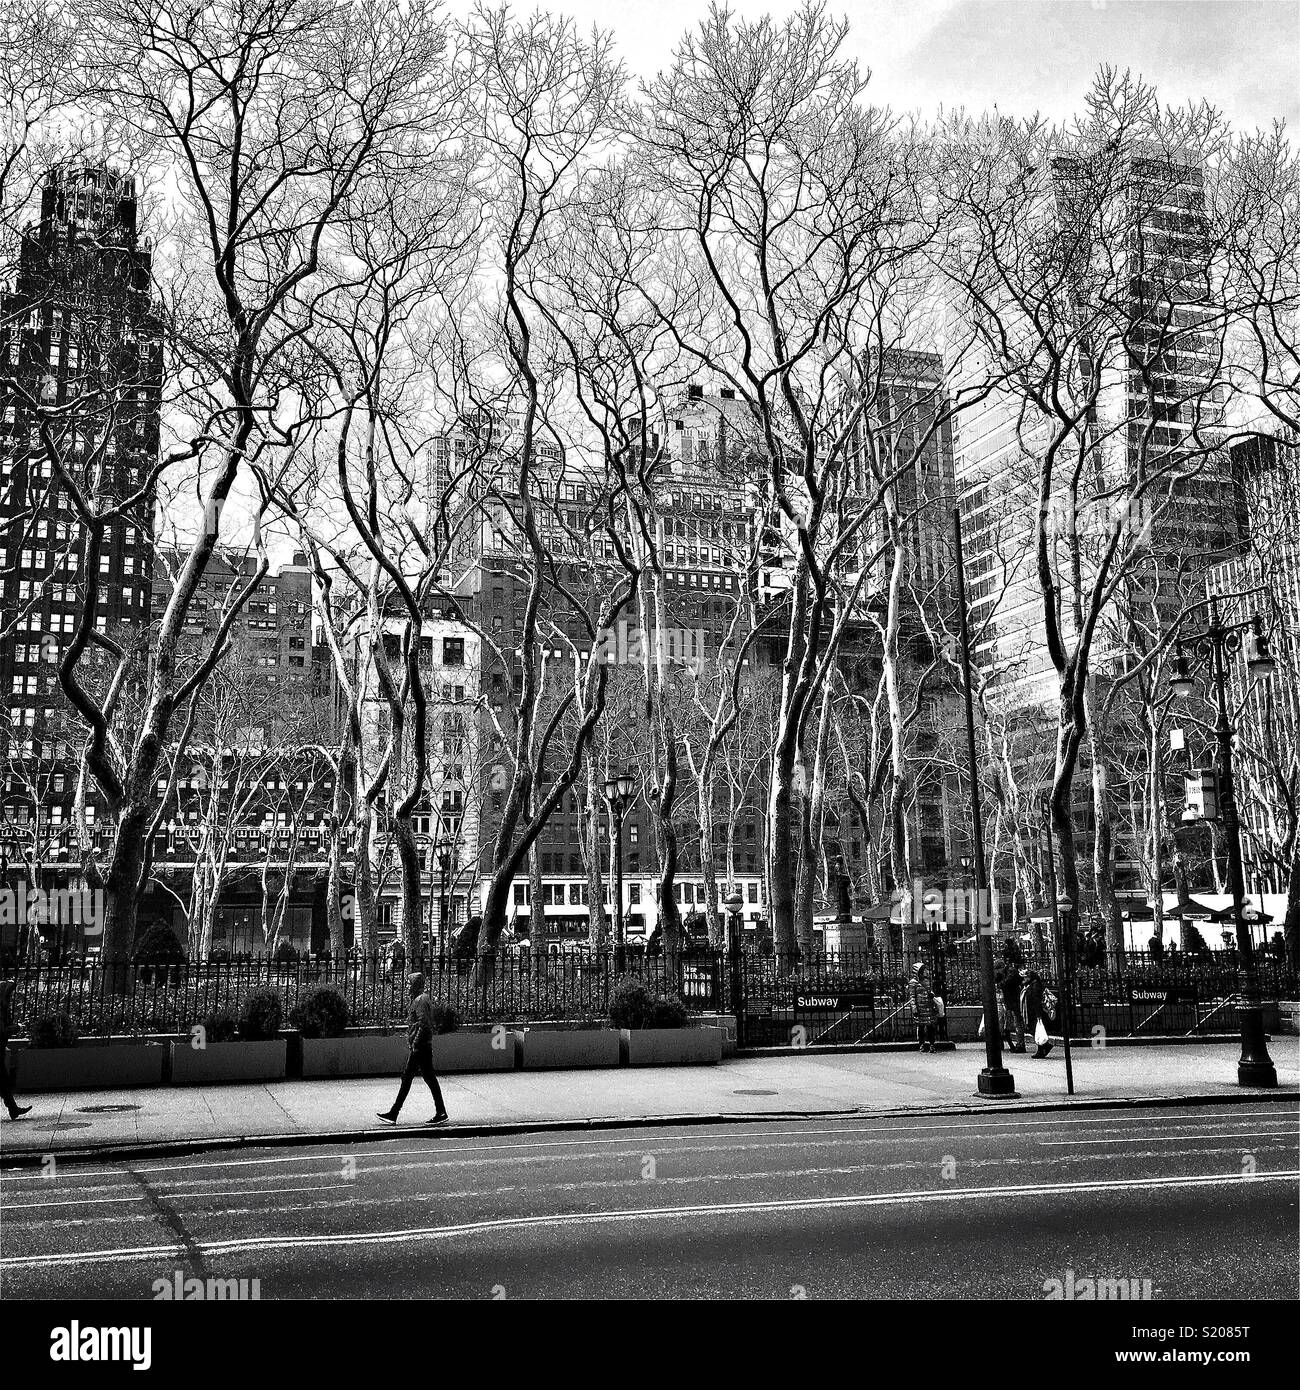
<point x="453" y="651"/>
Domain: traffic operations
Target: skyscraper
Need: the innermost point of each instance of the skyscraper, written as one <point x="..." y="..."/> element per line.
<point x="1115" y="344"/>
<point x="79" y="429"/>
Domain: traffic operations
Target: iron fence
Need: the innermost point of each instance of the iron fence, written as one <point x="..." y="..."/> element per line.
<point x="821" y="998"/>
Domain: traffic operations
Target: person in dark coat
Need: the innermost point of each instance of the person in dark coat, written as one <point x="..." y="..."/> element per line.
<point x="921" y="998"/>
<point x="1011" y="984"/>
<point x="419" y="1037"/>
<point x="1033" y="1001"/>
<point x="6" y="1029"/>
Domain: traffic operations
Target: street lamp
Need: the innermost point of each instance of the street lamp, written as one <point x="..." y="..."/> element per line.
<point x="734" y="903"/>
<point x="1217" y="642"/>
<point x="443" y="850"/>
<point x="618" y="793"/>
<point x="995" y="1079"/>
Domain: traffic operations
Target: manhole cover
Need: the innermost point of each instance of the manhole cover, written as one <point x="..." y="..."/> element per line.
<point x="104" y="1109"/>
<point x="753" y="1093"/>
<point x="72" y="1124"/>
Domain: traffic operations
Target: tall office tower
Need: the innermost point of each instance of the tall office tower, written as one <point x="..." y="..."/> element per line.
<point x="907" y="430"/>
<point x="1145" y="343"/>
<point x="79" y="336"/>
<point x="1128" y="250"/>
<point x="1264" y="579"/>
<point x="701" y="513"/>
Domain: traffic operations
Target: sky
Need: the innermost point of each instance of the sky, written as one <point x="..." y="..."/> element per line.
<point x="1020" y="55"/>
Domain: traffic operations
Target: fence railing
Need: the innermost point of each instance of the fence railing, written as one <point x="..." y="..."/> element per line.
<point x="833" y="997"/>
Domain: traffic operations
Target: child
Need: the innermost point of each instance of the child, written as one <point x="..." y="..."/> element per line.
<point x="921" y="997"/>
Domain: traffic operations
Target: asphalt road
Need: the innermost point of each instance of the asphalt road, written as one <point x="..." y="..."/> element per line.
<point x="1200" y="1201"/>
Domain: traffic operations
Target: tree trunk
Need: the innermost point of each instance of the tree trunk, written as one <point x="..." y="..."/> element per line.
<point x="367" y="921"/>
<point x="408" y="855"/>
<point x="597" y="921"/>
<point x="1291" y="923"/>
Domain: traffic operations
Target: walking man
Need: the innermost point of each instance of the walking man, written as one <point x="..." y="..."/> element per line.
<point x="6" y="1027"/>
<point x="419" y="1036"/>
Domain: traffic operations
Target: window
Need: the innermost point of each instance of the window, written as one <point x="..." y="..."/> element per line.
<point x="453" y="651"/>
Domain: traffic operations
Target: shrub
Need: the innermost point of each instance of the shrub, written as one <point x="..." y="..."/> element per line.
<point x="158" y="944"/>
<point x="54" y="1029"/>
<point x="631" y="1003"/>
<point x="220" y="1026"/>
<point x="286" y="953"/>
<point x="634" y="1003"/>
<point x="260" y="1014"/>
<point x="159" y="955"/>
<point x="668" y="1011"/>
<point x="320" y="1013"/>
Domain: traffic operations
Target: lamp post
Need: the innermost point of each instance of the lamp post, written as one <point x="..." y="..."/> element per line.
<point x="734" y="903"/>
<point x="444" y="863"/>
<point x="618" y="793"/>
<point x="1217" y="642"/>
<point x="995" y="1079"/>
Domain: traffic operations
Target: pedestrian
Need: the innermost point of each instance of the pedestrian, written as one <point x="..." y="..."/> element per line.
<point x="419" y="1037"/>
<point x="1036" y="1012"/>
<point x="921" y="998"/>
<point x="6" y="1028"/>
<point x="1156" y="947"/>
<point x="1012" y="984"/>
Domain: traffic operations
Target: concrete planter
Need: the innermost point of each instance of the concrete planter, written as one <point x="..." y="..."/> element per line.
<point x="725" y="1023"/>
<point x="88" y="1067"/>
<point x="228" y="1061"/>
<point x="673" y="1047"/>
<point x="356" y="1055"/>
<point x="591" y="1047"/>
<point x="455" y="1052"/>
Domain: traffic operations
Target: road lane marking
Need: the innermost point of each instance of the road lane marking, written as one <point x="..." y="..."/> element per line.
<point x="1175" y="1138"/>
<point x="487" y="1147"/>
<point x="551" y="1189"/>
<point x="520" y="1223"/>
<point x="175" y="1194"/>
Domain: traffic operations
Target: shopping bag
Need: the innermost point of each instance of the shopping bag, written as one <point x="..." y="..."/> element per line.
<point x="1040" y="1033"/>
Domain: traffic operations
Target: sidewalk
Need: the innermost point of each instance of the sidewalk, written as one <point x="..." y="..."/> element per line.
<point x="122" y="1122"/>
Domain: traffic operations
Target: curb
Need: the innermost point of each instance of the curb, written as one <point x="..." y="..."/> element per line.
<point x="176" y="1148"/>
<point x="1077" y="1044"/>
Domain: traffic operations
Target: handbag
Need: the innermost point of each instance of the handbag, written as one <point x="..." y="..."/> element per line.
<point x="939" y="1006"/>
<point x="1049" y="1003"/>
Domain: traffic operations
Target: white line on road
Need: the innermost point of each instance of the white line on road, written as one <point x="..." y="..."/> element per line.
<point x="1173" y="1138"/>
<point x="586" y="1218"/>
<point x="534" y="1189"/>
<point x="690" y="1140"/>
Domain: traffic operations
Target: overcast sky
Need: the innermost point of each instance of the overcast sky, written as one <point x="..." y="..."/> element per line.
<point x="1022" y="55"/>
